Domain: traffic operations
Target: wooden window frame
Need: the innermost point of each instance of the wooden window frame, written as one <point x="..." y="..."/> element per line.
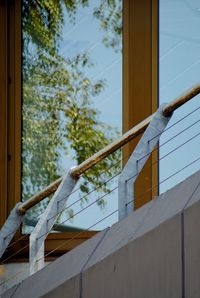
<point x="140" y="36"/>
<point x="140" y="84"/>
<point x="10" y="107"/>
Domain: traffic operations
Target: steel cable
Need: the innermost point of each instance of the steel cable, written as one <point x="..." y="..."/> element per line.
<point x="23" y="236"/>
<point x="81" y="233"/>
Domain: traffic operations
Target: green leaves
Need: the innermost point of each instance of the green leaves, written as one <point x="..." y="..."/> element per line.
<point x="109" y="13"/>
<point x="58" y="112"/>
<point x="43" y="21"/>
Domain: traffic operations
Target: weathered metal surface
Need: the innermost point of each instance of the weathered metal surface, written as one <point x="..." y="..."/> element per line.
<point x="9" y="228"/>
<point x="137" y="161"/>
<point x="47" y="221"/>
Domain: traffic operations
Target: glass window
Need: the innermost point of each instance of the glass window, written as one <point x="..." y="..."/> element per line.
<point x="72" y="98"/>
<point x="179" y="60"/>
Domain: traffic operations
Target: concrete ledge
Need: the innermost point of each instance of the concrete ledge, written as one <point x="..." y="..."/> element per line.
<point x="154" y="252"/>
<point x="192" y="251"/>
<point x="149" y="266"/>
<point x="56" y="273"/>
<point x="70" y="288"/>
<point x="148" y="217"/>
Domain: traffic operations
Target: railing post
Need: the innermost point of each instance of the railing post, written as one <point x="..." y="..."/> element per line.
<point x="9" y="228"/>
<point x="46" y="222"/>
<point x="137" y="161"/>
<point x="156" y="124"/>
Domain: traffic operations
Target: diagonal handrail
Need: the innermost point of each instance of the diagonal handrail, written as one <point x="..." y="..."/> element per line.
<point x="62" y="184"/>
<point x="97" y="157"/>
<point x="84" y="166"/>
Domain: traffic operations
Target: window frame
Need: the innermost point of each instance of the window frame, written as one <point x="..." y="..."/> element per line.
<point x="140" y="84"/>
<point x="10" y="106"/>
<point x="137" y="37"/>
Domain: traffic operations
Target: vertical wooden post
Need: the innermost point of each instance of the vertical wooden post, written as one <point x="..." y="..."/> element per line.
<point x="140" y="79"/>
<point x="10" y="106"/>
<point x="3" y="111"/>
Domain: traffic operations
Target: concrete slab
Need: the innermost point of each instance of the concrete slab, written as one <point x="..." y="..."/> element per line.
<point x="146" y="218"/>
<point x="149" y="266"/>
<point x="13" y="274"/>
<point x="193" y="183"/>
<point x="192" y="251"/>
<point x="57" y="272"/>
<point x="120" y="234"/>
<point x="69" y="289"/>
<point x="140" y="256"/>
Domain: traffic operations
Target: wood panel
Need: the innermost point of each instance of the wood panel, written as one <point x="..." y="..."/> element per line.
<point x="140" y="82"/>
<point x="3" y="111"/>
<point x="10" y="105"/>
<point x="14" y="103"/>
<point x="55" y="245"/>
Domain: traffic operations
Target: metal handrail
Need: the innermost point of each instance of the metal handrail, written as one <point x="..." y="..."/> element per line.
<point x="97" y="157"/>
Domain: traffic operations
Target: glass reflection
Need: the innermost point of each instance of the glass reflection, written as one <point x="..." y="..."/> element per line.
<point x="71" y="82"/>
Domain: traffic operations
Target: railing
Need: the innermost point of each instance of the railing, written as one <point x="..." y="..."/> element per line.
<point x="153" y="127"/>
<point x="126" y="138"/>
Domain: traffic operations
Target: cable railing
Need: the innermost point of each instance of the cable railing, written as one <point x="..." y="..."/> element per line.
<point x="152" y="128"/>
<point x="161" y="158"/>
<point x="154" y="163"/>
<point x="80" y="233"/>
<point x="126" y="138"/>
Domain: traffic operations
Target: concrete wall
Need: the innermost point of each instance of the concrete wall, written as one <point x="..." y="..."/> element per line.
<point x="154" y="252"/>
<point x="11" y="274"/>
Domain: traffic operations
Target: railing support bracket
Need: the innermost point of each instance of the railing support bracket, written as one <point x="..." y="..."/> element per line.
<point x="137" y="161"/>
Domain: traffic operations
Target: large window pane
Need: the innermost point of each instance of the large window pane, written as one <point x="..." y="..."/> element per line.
<point x="179" y="70"/>
<point x="72" y="85"/>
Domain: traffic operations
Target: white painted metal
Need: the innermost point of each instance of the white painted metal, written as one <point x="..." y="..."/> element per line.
<point x="9" y="228"/>
<point x="137" y="161"/>
<point x="158" y="122"/>
<point x="47" y="221"/>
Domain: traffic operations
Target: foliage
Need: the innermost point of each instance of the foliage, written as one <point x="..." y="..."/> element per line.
<point x="57" y="101"/>
<point x="109" y="13"/>
<point x="43" y="20"/>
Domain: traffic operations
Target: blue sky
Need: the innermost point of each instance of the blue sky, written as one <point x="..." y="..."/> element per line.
<point x="179" y="69"/>
<point x="85" y="35"/>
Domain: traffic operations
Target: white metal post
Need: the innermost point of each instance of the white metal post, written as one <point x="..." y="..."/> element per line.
<point x="46" y="222"/>
<point x="9" y="228"/>
<point x="137" y="161"/>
